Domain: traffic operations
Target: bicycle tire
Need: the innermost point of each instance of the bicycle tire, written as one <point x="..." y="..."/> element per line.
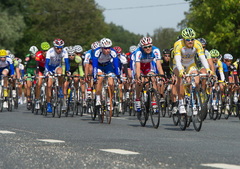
<point x="54" y="100"/>
<point x="143" y="114"/>
<point x="59" y="103"/>
<point x="72" y="102"/>
<point x="197" y="119"/>
<point x="183" y="121"/>
<point x="1" y="99"/>
<point x="203" y="97"/>
<point x="189" y="120"/>
<point x="227" y="109"/>
<point x="10" y="99"/>
<point x="116" y="105"/>
<point x="154" y="112"/>
<point x="79" y="102"/>
<point x="169" y="104"/>
<point x="175" y="119"/>
<point x="108" y="112"/>
<point x="15" y="100"/>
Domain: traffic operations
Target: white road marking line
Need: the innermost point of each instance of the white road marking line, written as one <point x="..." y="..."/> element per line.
<point x="221" y="165"/>
<point x="51" y="141"/>
<point x="6" y="132"/>
<point x="120" y="151"/>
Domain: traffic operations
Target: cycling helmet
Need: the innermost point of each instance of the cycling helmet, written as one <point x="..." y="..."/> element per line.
<point x="3" y="53"/>
<point x="118" y="49"/>
<point x="145" y="41"/>
<point x="166" y="51"/>
<point x="71" y="50"/>
<point x="132" y="48"/>
<point x="95" y="45"/>
<point x="105" y="43"/>
<point x="228" y="56"/>
<point x="58" y="43"/>
<point x="214" y="53"/>
<point x="188" y="33"/>
<point x="65" y="48"/>
<point x="8" y="52"/>
<point x="45" y="46"/>
<point x="202" y="40"/>
<point x="12" y="56"/>
<point x="33" y="50"/>
<point x="19" y="60"/>
<point x="78" y="49"/>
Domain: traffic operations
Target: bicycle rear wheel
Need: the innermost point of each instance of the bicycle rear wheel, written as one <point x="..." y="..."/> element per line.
<point x="227" y="106"/>
<point x="15" y="98"/>
<point x="197" y="118"/>
<point x="156" y="110"/>
<point x="54" y="100"/>
<point x="79" y="101"/>
<point x="108" y="111"/>
<point x="182" y="121"/>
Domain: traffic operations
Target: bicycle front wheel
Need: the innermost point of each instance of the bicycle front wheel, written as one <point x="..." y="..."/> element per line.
<point x="154" y="110"/>
<point x="197" y="116"/>
<point x="1" y="98"/>
<point x="108" y="111"/>
<point x="72" y="102"/>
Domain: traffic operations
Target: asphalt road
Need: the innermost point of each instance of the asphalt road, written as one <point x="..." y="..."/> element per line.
<point x="79" y="142"/>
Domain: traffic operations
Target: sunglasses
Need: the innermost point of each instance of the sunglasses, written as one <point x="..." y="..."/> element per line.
<point x="3" y="57"/>
<point x="107" y="48"/>
<point x="214" y="57"/>
<point x="228" y="60"/>
<point x="149" y="46"/>
<point x="188" y="40"/>
<point x="167" y="55"/>
<point x="71" y="55"/>
<point x="204" y="47"/>
<point x="57" y="48"/>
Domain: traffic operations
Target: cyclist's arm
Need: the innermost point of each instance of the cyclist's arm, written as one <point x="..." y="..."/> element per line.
<point x="80" y="67"/>
<point x="116" y="65"/>
<point x="159" y="67"/>
<point x="63" y="67"/>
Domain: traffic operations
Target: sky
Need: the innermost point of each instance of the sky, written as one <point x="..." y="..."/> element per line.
<point x="144" y="16"/>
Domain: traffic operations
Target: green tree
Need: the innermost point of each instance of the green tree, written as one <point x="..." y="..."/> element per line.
<point x="218" y="22"/>
<point x="123" y="38"/>
<point x="164" y="38"/>
<point x="11" y="24"/>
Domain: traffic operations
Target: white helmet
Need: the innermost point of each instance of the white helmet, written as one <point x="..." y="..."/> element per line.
<point x="8" y="52"/>
<point x="71" y="50"/>
<point x="65" y="48"/>
<point x="105" y="43"/>
<point x="78" y="48"/>
<point x="19" y="60"/>
<point x="95" y="45"/>
<point x="33" y="50"/>
<point x="145" y="41"/>
<point x="132" y="48"/>
<point x="12" y="56"/>
<point x="228" y="56"/>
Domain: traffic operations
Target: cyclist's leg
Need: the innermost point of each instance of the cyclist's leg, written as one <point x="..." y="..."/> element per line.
<point x="203" y="71"/>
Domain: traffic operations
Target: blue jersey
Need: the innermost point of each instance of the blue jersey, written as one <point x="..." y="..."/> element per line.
<point x="88" y="57"/>
<point x="141" y="56"/>
<point x="100" y="61"/>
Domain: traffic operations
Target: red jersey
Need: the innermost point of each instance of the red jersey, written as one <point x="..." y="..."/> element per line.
<point x="40" y="58"/>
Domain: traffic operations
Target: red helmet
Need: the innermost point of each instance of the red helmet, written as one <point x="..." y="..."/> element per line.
<point x="118" y="49"/>
<point x="58" y="43"/>
<point x="145" y="41"/>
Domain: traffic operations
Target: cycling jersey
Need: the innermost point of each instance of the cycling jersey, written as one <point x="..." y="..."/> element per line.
<point x="184" y="56"/>
<point x="88" y="57"/>
<point x="53" y="60"/>
<point x="146" y="60"/>
<point x="40" y="58"/>
<point x="103" y="62"/>
<point x="7" y="63"/>
<point x="198" y="62"/>
<point x="220" y="69"/>
<point x="76" y="67"/>
<point x="166" y="68"/>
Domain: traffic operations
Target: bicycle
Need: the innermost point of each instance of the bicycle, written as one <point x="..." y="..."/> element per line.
<point x="71" y="99"/>
<point x="194" y="107"/>
<point x="148" y="97"/>
<point x="105" y="109"/>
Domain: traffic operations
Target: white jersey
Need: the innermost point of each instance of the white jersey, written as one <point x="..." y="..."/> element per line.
<point x="55" y="59"/>
<point x="6" y="63"/>
<point x="21" y="67"/>
<point x="104" y="58"/>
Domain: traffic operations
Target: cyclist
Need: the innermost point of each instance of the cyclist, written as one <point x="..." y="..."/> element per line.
<point x="30" y="69"/>
<point x="20" y="84"/>
<point x="124" y="73"/>
<point x="184" y="53"/>
<point x="144" y="64"/>
<point x="40" y="67"/>
<point x="5" y="63"/>
<point x="88" y="65"/>
<point x="16" y="72"/>
<point x="76" y="69"/>
<point x="54" y="58"/>
<point x="209" y="59"/>
<point x="102" y="64"/>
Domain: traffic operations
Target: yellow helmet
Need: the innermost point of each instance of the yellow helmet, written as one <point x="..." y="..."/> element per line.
<point x="3" y="53"/>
